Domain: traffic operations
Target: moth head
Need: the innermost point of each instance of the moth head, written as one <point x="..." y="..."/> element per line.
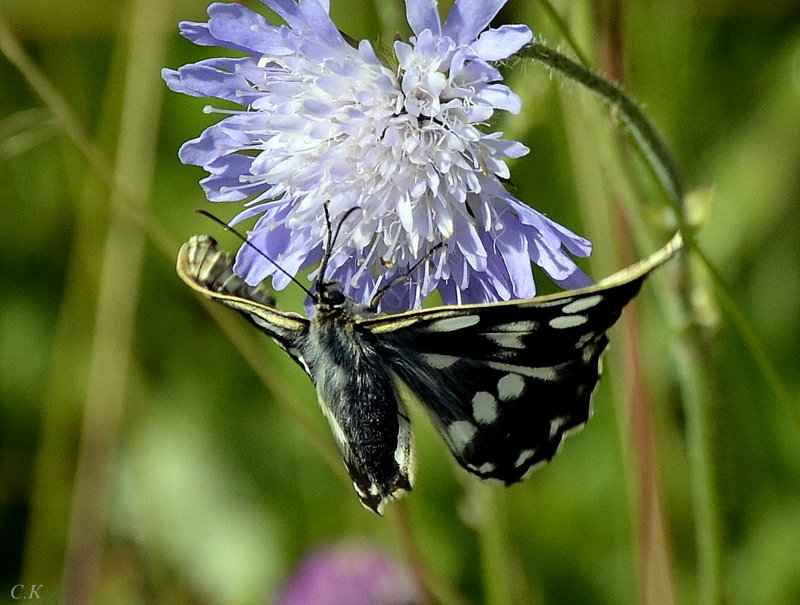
<point x="330" y="294"/>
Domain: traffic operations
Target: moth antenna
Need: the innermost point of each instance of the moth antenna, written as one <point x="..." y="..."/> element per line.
<point x="376" y="299"/>
<point x="244" y="239"/>
<point x="331" y="238"/>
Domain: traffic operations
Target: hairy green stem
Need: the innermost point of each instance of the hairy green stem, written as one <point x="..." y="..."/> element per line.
<point x="652" y="146"/>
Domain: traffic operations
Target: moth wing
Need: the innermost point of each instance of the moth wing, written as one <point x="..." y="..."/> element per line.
<point x="209" y="270"/>
<point x="504" y="382"/>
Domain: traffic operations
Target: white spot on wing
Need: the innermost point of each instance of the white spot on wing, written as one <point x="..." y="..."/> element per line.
<point x="461" y="433"/>
<point x="510" y="387"/>
<point x="260" y="321"/>
<point x="484" y="407"/>
<point x="517" y="326"/>
<point x="582" y="304"/>
<point x="556" y="424"/>
<point x="541" y="373"/>
<point x="554" y="303"/>
<point x="568" y="321"/>
<point x="575" y="429"/>
<point x="483" y="469"/>
<point x="336" y="428"/>
<point x="532" y="468"/>
<point x="486" y="468"/>
<point x="439" y="362"/>
<point x="296" y="355"/>
<point x="450" y="324"/>
<point x="588" y="354"/>
<point x="204" y="275"/>
<point x="524" y="456"/>
<point x="508" y="340"/>
<point x="402" y="452"/>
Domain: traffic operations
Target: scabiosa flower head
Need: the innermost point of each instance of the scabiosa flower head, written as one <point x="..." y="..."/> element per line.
<point x="328" y="123"/>
<point x="349" y="575"/>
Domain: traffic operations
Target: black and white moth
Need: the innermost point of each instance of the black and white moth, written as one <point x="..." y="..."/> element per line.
<point x="502" y="382"/>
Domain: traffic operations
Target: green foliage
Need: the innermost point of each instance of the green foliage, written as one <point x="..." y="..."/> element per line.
<point x="189" y="456"/>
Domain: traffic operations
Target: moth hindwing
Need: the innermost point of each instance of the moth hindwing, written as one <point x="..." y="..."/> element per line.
<point x="502" y="382"/>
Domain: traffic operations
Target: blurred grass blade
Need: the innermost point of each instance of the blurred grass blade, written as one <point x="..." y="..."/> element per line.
<point x="110" y="358"/>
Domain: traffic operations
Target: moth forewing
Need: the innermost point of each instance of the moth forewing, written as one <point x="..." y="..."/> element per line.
<point x="637" y="271"/>
<point x="209" y="271"/>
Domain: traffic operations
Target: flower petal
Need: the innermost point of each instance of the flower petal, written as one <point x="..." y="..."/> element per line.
<point x="499" y="96"/>
<point x="501" y="43"/>
<point x="217" y="140"/>
<point x="212" y="78"/>
<point x="197" y="33"/>
<point x="422" y="15"/>
<point x="238" y="27"/>
<point x="224" y="184"/>
<point x="468" y="18"/>
<point x="288" y="10"/>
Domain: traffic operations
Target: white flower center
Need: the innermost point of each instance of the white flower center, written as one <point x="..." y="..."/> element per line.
<point x="349" y="132"/>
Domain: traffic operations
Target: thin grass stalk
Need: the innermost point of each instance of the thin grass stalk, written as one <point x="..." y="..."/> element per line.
<point x="433" y="589"/>
<point x="656" y="578"/>
<point x="54" y="465"/>
<point x="655" y="572"/>
<point x="253" y="354"/>
<point x="116" y="307"/>
<point x="494" y="545"/>
<point x="753" y="343"/>
<point x="97" y="160"/>
<point x="690" y="353"/>
<point x="597" y="171"/>
<point x="564" y="29"/>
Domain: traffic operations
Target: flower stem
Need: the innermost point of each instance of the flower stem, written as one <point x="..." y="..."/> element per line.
<point x="690" y="351"/>
<point x="698" y="395"/>
<point x="647" y="138"/>
<point x="494" y="544"/>
<point x="433" y="589"/>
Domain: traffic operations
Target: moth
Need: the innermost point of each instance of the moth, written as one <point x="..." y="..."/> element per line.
<point x="503" y="382"/>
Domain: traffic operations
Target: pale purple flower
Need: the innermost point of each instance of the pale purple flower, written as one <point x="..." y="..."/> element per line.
<point x="349" y="575"/>
<point x="407" y="143"/>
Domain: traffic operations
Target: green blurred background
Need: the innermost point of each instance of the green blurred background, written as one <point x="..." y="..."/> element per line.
<point x="153" y="449"/>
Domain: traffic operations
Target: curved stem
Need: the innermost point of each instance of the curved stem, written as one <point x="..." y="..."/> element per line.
<point x="647" y="138"/>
